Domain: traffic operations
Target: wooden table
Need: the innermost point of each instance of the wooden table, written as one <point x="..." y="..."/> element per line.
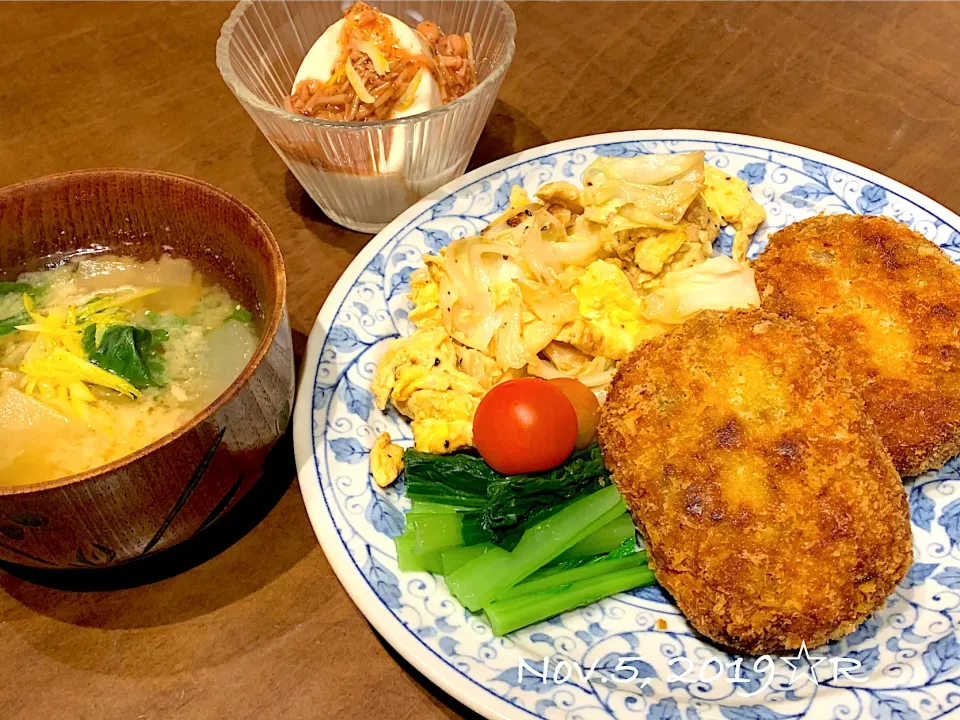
<point x="253" y="623"/>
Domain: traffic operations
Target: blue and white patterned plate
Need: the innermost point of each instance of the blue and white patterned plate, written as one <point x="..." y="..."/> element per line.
<point x="634" y="655"/>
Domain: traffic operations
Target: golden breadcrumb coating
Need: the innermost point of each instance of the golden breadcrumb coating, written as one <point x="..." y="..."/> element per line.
<point x="770" y="509"/>
<point x="888" y="300"/>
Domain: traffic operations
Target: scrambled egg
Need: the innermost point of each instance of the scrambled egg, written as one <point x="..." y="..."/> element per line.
<point x="425" y="294"/>
<point x="729" y="198"/>
<point x="654" y="252"/>
<point x="566" y="284"/>
<point x="612" y="311"/>
<point x="482" y="368"/>
<point x="420" y="375"/>
<point x="386" y="460"/>
<point x="646" y="254"/>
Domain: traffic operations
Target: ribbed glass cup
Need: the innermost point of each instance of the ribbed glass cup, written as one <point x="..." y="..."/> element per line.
<point x="362" y="175"/>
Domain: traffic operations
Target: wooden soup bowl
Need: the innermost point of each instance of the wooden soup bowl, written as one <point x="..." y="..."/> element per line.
<point x="173" y="488"/>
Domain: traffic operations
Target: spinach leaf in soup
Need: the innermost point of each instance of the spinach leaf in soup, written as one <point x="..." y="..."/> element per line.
<point x="166" y="320"/>
<point x="242" y="314"/>
<point x="14" y="287"/>
<point x="20" y="288"/>
<point x="9" y="325"/>
<point x="128" y="351"/>
<point x="12" y="310"/>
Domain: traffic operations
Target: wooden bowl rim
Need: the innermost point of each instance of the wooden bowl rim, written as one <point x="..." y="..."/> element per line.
<point x="271" y="326"/>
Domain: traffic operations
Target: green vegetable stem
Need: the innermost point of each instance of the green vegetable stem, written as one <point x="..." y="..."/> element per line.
<point x="604" y="540"/>
<point x="480" y="581"/>
<point x="519" y="611"/>
<point x="556" y="581"/>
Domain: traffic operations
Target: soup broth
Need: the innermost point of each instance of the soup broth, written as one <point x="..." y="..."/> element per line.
<point x="101" y="356"/>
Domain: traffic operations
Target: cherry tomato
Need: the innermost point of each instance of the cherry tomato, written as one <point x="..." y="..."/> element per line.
<point x="524" y="425"/>
<point x="585" y="404"/>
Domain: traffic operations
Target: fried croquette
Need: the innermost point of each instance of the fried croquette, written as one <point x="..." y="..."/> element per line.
<point x="888" y="300"/>
<point x="770" y="510"/>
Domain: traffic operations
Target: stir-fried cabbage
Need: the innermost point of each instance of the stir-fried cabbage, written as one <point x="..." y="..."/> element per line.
<point x="476" y="281"/>
<point x="597" y="373"/>
<point x="489" y="280"/>
<point x="568" y="283"/>
<point x="525" y="282"/>
<point x="719" y="283"/>
<point x="548" y="252"/>
<point x="645" y="191"/>
<point x="549" y="303"/>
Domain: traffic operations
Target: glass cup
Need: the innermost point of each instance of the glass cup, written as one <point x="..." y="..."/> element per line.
<point x="362" y="175"/>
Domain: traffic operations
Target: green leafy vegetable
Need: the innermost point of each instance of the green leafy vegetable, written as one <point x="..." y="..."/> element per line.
<point x="543" y="580"/>
<point x="511" y="498"/>
<point x="128" y="351"/>
<point x="485" y="578"/>
<point x="505" y="503"/>
<point x="15" y="287"/>
<point x="242" y="314"/>
<point x="456" y="479"/>
<point x="408" y="560"/>
<point x="564" y="561"/>
<point x="435" y="531"/>
<point x="516" y="612"/>
<point x="422" y="507"/>
<point x="459" y="556"/>
<point x="168" y="319"/>
<point x="436" y="526"/>
<point x="525" y="547"/>
<point x="607" y="539"/>
<point x="9" y="325"/>
<point x="20" y="288"/>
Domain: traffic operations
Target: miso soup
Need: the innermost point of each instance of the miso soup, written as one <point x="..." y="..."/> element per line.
<point x="101" y="356"/>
